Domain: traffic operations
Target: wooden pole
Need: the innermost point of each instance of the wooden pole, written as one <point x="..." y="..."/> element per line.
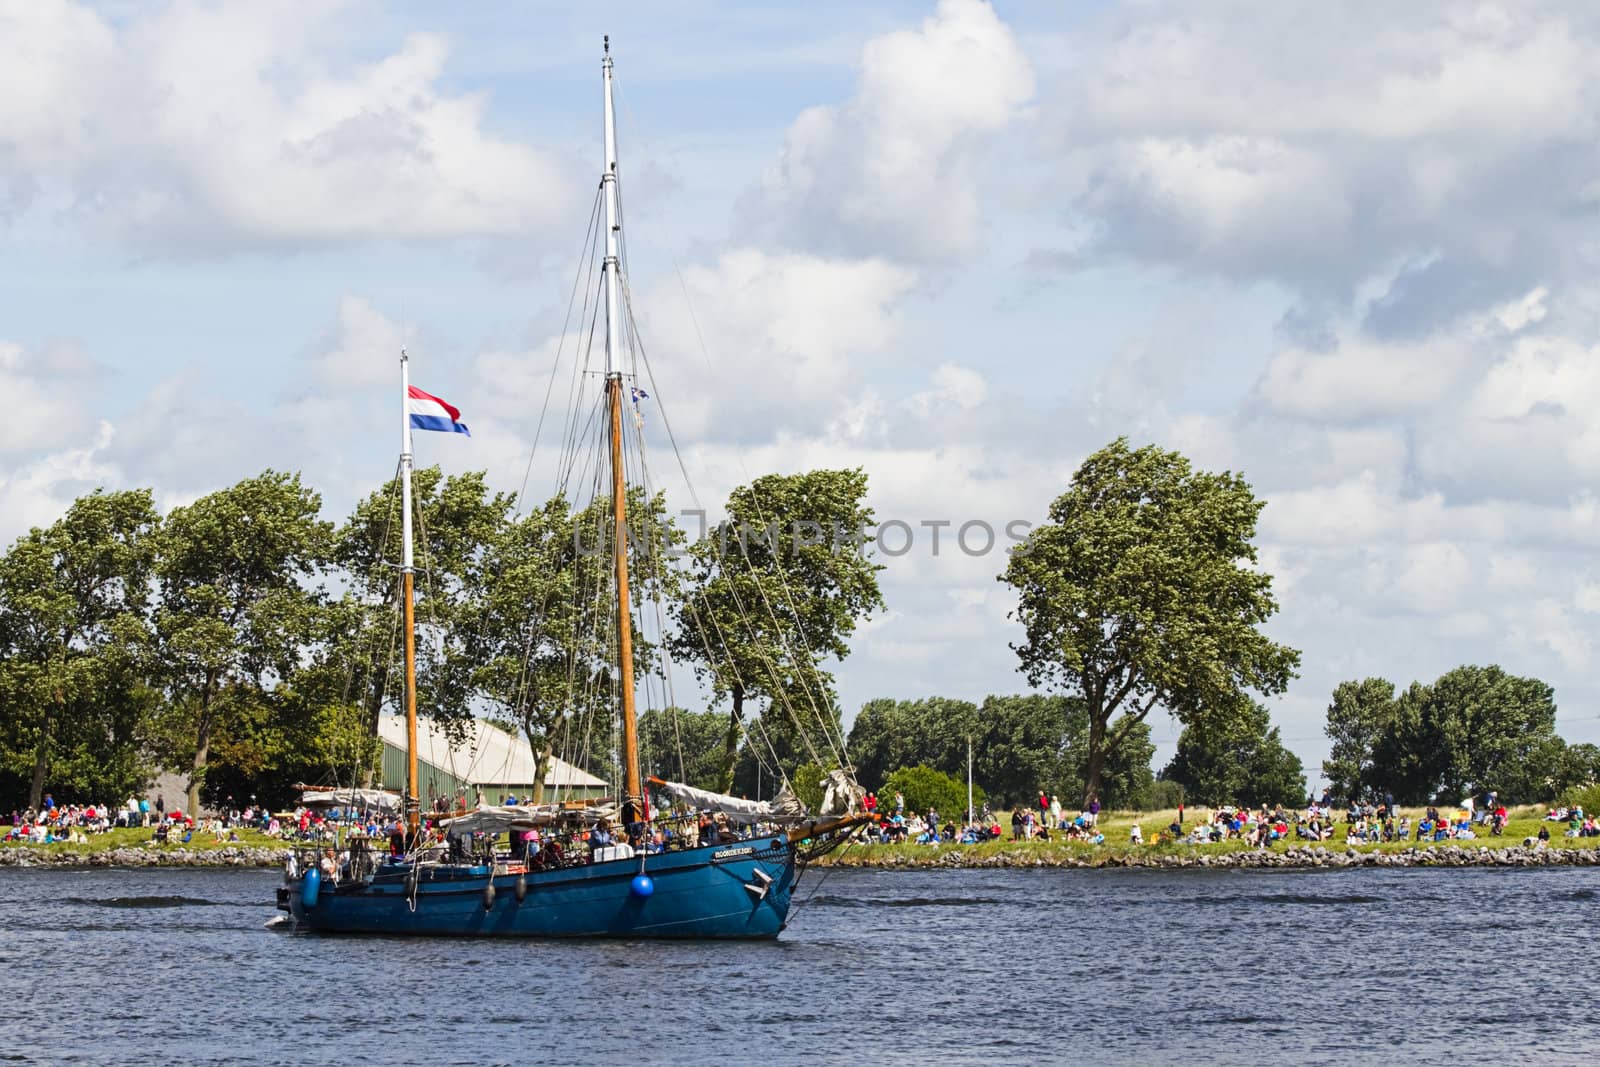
<point x="633" y="805"/>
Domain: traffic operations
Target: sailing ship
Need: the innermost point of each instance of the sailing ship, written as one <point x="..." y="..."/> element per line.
<point x="424" y="883"/>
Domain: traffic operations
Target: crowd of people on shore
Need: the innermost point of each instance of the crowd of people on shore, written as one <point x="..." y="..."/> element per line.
<point x="53" y="823"/>
<point x="1371" y="822"/>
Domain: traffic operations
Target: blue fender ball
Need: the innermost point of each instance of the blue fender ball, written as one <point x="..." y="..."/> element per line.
<point x="643" y="885"/>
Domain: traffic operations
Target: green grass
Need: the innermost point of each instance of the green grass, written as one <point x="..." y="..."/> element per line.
<point x="203" y="840"/>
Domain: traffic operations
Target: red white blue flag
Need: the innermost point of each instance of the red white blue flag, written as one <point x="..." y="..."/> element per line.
<point x="428" y="412"/>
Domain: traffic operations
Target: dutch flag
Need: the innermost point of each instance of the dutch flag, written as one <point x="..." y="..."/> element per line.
<point x="428" y="412"/>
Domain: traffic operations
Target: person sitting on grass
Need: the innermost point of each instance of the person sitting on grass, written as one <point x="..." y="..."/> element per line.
<point x="1135" y="835"/>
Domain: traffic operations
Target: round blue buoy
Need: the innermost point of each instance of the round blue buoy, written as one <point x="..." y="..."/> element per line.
<point x="643" y="885"/>
<point x="310" y="888"/>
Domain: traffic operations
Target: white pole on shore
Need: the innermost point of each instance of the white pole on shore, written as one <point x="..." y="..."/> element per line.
<point x="969" y="779"/>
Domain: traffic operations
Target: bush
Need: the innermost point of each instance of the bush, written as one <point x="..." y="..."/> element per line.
<point x="926" y="788"/>
<point x="1163" y="794"/>
<point x="807" y="785"/>
<point x="1586" y="797"/>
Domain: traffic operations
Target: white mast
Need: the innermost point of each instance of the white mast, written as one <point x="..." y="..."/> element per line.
<point x="612" y="268"/>
<point x="407" y="570"/>
<point x="969" y="779"/>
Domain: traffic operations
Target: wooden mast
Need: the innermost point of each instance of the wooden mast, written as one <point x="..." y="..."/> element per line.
<point x="634" y="808"/>
<point x="632" y="792"/>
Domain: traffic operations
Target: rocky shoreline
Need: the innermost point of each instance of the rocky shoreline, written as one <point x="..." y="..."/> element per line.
<point x="134" y="856"/>
<point x="1310" y="857"/>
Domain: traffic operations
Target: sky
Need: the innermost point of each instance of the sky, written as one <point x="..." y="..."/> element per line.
<point x="1346" y="250"/>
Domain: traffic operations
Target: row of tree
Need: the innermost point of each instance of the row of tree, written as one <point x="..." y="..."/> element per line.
<point x="1473" y="730"/>
<point x="249" y="642"/>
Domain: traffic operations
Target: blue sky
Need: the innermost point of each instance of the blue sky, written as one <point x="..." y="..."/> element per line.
<point x="1346" y="250"/>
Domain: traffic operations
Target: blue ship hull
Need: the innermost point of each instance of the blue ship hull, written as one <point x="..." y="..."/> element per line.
<point x="737" y="890"/>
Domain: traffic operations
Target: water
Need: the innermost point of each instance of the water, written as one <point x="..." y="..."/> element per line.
<point x="953" y="967"/>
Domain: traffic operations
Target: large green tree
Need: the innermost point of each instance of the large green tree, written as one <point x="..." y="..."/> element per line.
<point x="682" y="746"/>
<point x="456" y="522"/>
<point x="1473" y="729"/>
<point x="1021" y="745"/>
<point x="1143" y="590"/>
<point x="1360" y="717"/>
<point x="774" y="591"/>
<point x="1239" y="760"/>
<point x="1486" y="729"/>
<point x="73" y="630"/>
<point x="541" y="626"/>
<point x="238" y="569"/>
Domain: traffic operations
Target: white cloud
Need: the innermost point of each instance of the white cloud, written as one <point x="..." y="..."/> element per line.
<point x="896" y="166"/>
<point x="1361" y="378"/>
<point x="38" y="492"/>
<point x="45" y="402"/>
<point x="1318" y="144"/>
<point x="363" y="348"/>
<point x="218" y="126"/>
<point x="785" y="337"/>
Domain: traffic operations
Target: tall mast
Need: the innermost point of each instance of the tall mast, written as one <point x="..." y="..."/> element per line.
<point x="633" y="805"/>
<point x="407" y="569"/>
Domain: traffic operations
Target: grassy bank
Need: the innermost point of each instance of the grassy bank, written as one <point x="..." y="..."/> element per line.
<point x="1524" y="823"/>
<point x="111" y="840"/>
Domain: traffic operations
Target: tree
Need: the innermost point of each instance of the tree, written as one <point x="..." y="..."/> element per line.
<point x="1580" y="766"/>
<point x="541" y="629"/>
<point x="1473" y="729"/>
<point x="73" y="601"/>
<point x="1491" y="730"/>
<point x="682" y="746"/>
<point x="1020" y="745"/>
<point x="236" y="605"/>
<point x="1360" y="717"/>
<point x="926" y="788"/>
<point x="775" y="590"/>
<point x="1143" y="589"/>
<point x="457" y="520"/>
<point x="890" y="734"/>
<point x="1242" y="760"/>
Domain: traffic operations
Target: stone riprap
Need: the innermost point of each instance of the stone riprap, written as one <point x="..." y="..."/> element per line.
<point x="134" y="856"/>
<point x="1299" y="857"/>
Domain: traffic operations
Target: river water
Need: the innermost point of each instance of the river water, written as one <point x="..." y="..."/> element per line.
<point x="946" y="967"/>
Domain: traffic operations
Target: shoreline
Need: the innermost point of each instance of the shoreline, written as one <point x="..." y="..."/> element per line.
<point x="875" y="857"/>
<point x="225" y="856"/>
<point x="1309" y="857"/>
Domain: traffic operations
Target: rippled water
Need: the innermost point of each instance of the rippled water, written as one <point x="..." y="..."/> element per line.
<point x="981" y="967"/>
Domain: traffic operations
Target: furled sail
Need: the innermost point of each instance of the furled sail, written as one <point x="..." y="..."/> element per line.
<point x="362" y="800"/>
<point x="495" y="820"/>
<point x="785" y="807"/>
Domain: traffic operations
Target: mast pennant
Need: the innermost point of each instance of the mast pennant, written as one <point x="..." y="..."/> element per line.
<point x="428" y="412"/>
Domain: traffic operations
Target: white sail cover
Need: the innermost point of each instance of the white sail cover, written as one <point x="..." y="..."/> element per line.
<point x="785" y="807"/>
<point x="353" y="799"/>
<point x="491" y="819"/>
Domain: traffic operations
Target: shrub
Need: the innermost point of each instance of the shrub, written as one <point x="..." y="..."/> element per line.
<point x="926" y="788"/>
<point x="807" y="785"/>
<point x="1586" y="797"/>
<point x="1164" y="794"/>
